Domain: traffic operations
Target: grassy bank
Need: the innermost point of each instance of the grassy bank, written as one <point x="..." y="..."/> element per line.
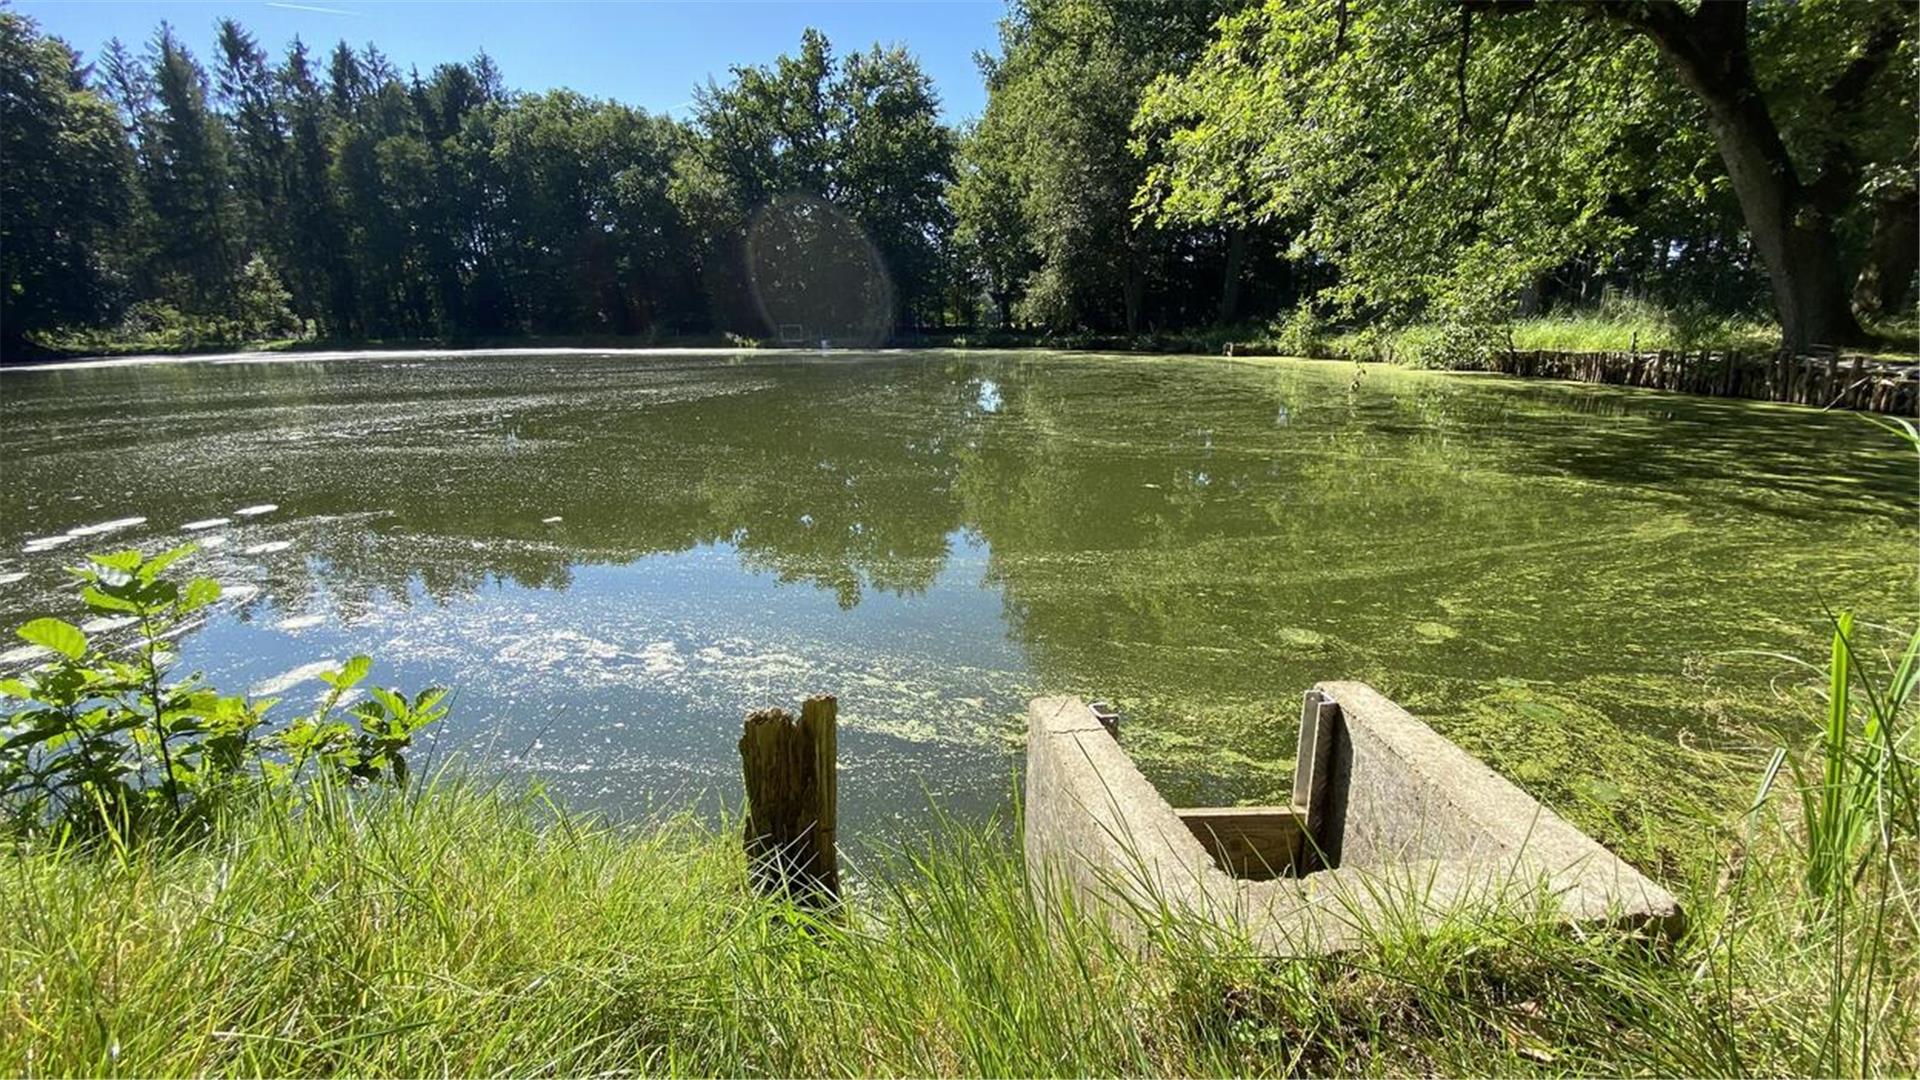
<point x="1615" y="327"/>
<point x="473" y="931"/>
<point x="1615" y="324"/>
<point x="1620" y="328"/>
<point x="1426" y="345"/>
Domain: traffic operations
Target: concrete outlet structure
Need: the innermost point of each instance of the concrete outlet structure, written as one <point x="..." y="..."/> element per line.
<point x="1387" y="819"/>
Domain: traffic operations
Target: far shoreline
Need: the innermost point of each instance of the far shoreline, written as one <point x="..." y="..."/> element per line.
<point x="270" y="356"/>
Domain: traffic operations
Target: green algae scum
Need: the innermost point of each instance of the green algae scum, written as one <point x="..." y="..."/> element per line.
<point x="613" y="557"/>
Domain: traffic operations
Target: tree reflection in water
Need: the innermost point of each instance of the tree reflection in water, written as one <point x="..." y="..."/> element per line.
<point x="1550" y="574"/>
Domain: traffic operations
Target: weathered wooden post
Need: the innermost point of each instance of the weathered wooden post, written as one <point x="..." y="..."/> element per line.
<point x="792" y="799"/>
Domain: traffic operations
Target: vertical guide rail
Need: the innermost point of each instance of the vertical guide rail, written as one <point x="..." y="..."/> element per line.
<point x="1312" y="775"/>
<point x="792" y="799"/>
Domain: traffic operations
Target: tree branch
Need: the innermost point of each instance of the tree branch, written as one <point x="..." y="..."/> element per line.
<point x="1875" y="53"/>
<point x="1460" y="76"/>
<point x="1721" y="23"/>
<point x="1663" y="20"/>
<point x="1553" y="61"/>
<point x="1837" y="177"/>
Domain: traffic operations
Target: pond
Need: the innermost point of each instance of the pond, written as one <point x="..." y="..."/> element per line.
<point x="613" y="557"/>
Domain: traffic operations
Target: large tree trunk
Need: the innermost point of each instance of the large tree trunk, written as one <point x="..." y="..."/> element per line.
<point x="1809" y="287"/>
<point x="13" y="338"/>
<point x="1893" y="253"/>
<point x="1230" y="287"/>
<point x="1134" y="289"/>
<point x="1791" y="222"/>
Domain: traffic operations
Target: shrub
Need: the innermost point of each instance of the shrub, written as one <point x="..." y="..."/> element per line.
<point x="261" y="303"/>
<point x="104" y="738"/>
<point x="1301" y="333"/>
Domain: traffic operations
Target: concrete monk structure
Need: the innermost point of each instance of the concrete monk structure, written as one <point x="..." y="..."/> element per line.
<point x="1387" y="819"/>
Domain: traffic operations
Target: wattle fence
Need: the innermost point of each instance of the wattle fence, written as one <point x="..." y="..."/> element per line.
<point x="1825" y="380"/>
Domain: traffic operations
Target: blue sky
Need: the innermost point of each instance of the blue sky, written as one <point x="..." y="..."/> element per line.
<point x="646" y="54"/>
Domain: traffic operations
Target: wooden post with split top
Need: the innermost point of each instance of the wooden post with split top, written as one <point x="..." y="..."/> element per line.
<point x="792" y="799"/>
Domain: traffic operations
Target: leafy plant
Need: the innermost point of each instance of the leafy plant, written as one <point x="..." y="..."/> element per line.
<point x="1863" y="788"/>
<point x="104" y="736"/>
<point x="1859" y="797"/>
<point x="373" y="747"/>
<point x="1301" y="333"/>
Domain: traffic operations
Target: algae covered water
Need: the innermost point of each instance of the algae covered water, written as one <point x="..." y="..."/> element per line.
<point x="612" y="558"/>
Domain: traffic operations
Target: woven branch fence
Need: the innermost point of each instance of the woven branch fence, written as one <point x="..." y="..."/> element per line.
<point x="1826" y="380"/>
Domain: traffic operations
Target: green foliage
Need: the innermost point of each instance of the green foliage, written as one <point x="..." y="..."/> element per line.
<point x="339" y="199"/>
<point x="1617" y="324"/>
<point x="191" y="240"/>
<point x="860" y="136"/>
<point x="63" y="188"/>
<point x="991" y="238"/>
<point x="1434" y="187"/>
<point x="371" y="748"/>
<point x="1045" y="200"/>
<point x="1302" y="333"/>
<point x="153" y="325"/>
<point x="1451" y="158"/>
<point x="1140" y="168"/>
<point x="260" y="303"/>
<point x="102" y="738"/>
<point x="1450" y="164"/>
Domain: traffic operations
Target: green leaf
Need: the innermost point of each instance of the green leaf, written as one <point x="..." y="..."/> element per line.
<point x="33" y="736"/>
<point x="349" y="674"/>
<point x="199" y="593"/>
<point x="165" y="559"/>
<point x="124" y="561"/>
<point x="102" y="601"/>
<point x="16" y="688"/>
<point x="62" y="637"/>
<point x="391" y="701"/>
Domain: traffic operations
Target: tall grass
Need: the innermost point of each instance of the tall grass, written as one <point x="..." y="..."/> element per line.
<point x="1853" y="914"/>
<point x="471" y="930"/>
<point x="1640" y="326"/>
<point x="1860" y="819"/>
<point x="1617" y="326"/>
<point x="1865" y="790"/>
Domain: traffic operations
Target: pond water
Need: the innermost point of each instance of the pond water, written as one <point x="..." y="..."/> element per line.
<point x="613" y="557"/>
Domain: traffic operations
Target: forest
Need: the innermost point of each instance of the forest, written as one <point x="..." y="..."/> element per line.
<point x="1141" y="166"/>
